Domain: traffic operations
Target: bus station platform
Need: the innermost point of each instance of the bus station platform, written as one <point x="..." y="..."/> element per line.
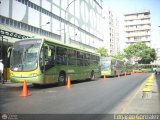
<point x="141" y="105"/>
<point x="8" y="83"/>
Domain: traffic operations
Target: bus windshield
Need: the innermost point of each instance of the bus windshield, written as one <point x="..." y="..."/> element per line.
<point x="24" y="55"/>
<point x="105" y="64"/>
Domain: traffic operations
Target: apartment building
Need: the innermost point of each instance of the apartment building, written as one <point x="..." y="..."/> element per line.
<point x="111" y="24"/>
<point x="138" y="27"/>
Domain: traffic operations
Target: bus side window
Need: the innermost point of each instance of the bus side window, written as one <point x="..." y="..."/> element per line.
<point x="61" y="56"/>
<point x="72" y="57"/>
<point x="80" y="58"/>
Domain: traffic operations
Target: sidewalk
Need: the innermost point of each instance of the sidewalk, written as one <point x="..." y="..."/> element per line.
<point x="10" y="84"/>
<point x="139" y="105"/>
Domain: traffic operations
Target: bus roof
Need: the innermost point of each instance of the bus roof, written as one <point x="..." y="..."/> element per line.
<point x="62" y="44"/>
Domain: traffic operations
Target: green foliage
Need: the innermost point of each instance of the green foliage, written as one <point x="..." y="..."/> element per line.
<point x="148" y="56"/>
<point x="120" y="56"/>
<point x="141" y="51"/>
<point x="102" y="51"/>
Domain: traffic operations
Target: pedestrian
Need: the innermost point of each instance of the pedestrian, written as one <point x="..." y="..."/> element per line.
<point x="1" y="70"/>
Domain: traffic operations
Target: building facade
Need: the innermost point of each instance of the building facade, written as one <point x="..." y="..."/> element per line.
<point x="75" y="22"/>
<point x="111" y="24"/>
<point x="138" y="27"/>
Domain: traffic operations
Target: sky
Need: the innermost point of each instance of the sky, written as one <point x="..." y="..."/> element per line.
<point x="120" y="7"/>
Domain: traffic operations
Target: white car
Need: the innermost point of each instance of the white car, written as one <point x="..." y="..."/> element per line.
<point x="157" y="69"/>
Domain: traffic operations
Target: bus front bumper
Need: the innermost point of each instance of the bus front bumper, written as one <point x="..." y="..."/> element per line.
<point x="34" y="79"/>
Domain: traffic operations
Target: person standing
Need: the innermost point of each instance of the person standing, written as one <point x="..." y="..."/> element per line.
<point x="1" y="70"/>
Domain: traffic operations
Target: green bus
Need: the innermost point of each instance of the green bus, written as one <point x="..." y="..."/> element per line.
<point x="144" y="68"/>
<point x="111" y="66"/>
<point x="43" y="61"/>
<point x="128" y="68"/>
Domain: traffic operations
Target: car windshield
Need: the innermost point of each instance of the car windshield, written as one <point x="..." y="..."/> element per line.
<point x="24" y="55"/>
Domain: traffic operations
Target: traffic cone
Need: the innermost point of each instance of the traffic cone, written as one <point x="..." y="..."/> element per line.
<point x="68" y="82"/>
<point x="25" y="90"/>
<point x="104" y="77"/>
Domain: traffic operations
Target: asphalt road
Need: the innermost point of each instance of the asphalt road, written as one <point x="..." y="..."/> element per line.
<point x="88" y="97"/>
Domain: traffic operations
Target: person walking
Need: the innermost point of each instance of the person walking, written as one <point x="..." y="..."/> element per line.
<point x="1" y="70"/>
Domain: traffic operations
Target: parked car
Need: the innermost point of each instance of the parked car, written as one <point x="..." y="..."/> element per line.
<point x="157" y="69"/>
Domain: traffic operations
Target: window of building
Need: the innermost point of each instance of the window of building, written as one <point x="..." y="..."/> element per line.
<point x="7" y="21"/>
<point x="11" y="22"/>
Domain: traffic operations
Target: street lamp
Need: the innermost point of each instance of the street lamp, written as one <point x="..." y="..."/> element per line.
<point x="65" y="19"/>
<point x="43" y="25"/>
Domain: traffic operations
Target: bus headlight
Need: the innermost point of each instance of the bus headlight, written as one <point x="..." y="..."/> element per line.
<point x="33" y="74"/>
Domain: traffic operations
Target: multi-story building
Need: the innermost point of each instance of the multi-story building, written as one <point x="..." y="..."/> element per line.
<point x="117" y="37"/>
<point x="138" y="27"/>
<point x="111" y="25"/>
<point x="75" y="22"/>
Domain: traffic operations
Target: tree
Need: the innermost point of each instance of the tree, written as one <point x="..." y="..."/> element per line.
<point x="140" y="52"/>
<point x="120" y="56"/>
<point x="148" y="56"/>
<point x="102" y="51"/>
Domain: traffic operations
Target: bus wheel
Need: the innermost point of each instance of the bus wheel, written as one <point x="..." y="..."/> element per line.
<point x="92" y="76"/>
<point x="62" y="79"/>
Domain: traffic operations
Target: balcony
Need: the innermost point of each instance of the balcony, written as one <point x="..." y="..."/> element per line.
<point x="139" y="22"/>
<point x="138" y="40"/>
<point x="137" y="34"/>
<point x="127" y="29"/>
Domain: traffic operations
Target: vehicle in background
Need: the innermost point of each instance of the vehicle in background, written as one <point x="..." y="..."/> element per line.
<point x="111" y="66"/>
<point x="138" y="68"/>
<point x="157" y="69"/>
<point x="128" y="68"/>
<point x="42" y="61"/>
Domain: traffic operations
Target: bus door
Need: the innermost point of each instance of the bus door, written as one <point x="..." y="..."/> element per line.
<point x="47" y="57"/>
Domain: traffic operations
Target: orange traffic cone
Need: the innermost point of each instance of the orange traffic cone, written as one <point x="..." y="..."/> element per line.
<point x="68" y="82"/>
<point x="25" y="90"/>
<point x="104" y="77"/>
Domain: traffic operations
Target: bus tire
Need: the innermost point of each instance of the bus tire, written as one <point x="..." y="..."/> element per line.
<point x="62" y="79"/>
<point x="92" y="77"/>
